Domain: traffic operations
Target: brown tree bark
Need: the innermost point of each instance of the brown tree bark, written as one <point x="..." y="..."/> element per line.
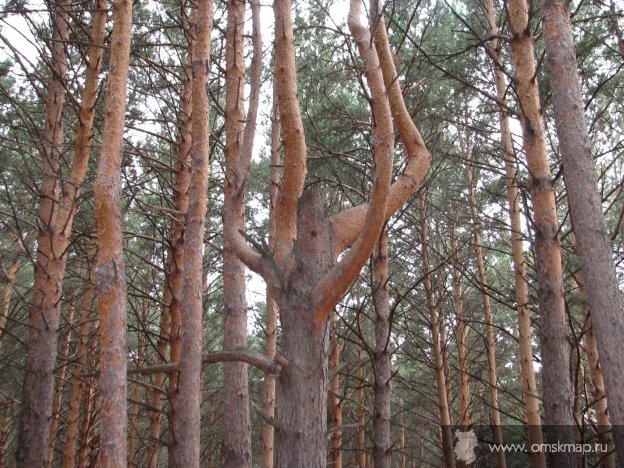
<point x="6" y="296"/>
<point x="78" y="382"/>
<point x="268" y="432"/>
<point x="490" y="339"/>
<point x="443" y="407"/>
<point x="382" y="386"/>
<point x="187" y="410"/>
<point x="56" y="213"/>
<point x="361" y="414"/>
<point x="110" y="278"/>
<point x="527" y="372"/>
<point x="57" y="400"/>
<point x="7" y="410"/>
<point x="304" y="273"/>
<point x="238" y="150"/>
<point x="555" y="349"/>
<point x="593" y="246"/>
<point x="335" y="403"/>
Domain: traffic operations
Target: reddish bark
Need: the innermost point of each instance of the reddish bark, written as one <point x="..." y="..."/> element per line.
<point x="335" y="407"/>
<point x="110" y="278"/>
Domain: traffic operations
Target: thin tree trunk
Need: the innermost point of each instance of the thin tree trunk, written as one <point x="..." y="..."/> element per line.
<point x="136" y="393"/>
<point x="402" y="456"/>
<point x="382" y="386"/>
<point x="187" y="410"/>
<point x="445" y="419"/>
<point x="4" y="431"/>
<point x="335" y="403"/>
<point x="555" y="349"/>
<point x="38" y="386"/>
<point x="110" y="278"/>
<point x="361" y="413"/>
<point x="490" y="339"/>
<point x="6" y="296"/>
<point x="527" y="372"/>
<point x="78" y="382"/>
<point x="57" y="400"/>
<point x="594" y="248"/>
<point x="268" y="432"/>
<point x="461" y="337"/>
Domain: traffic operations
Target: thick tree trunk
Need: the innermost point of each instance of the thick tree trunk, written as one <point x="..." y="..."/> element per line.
<point x="555" y="349"/>
<point x="335" y="402"/>
<point x="490" y="339"/>
<point x="38" y="387"/>
<point x="445" y="418"/>
<point x="382" y="386"/>
<point x="593" y="246"/>
<point x="110" y="278"/>
<point x="527" y="372"/>
<point x="186" y="424"/>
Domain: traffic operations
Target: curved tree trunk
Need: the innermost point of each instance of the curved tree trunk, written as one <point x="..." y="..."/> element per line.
<point x="594" y="248"/>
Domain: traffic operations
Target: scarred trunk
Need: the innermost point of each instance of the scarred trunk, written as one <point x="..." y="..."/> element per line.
<point x="594" y="249"/>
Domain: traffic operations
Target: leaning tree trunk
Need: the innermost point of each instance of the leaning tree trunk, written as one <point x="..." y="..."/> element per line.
<point x="110" y="278"/>
<point x="593" y="246"/>
<point x="558" y="392"/>
<point x="186" y="425"/>
<point x="382" y="386"/>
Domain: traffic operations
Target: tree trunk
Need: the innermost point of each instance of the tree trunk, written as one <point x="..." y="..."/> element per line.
<point x="382" y="386"/>
<point x="490" y="339"/>
<point x="593" y="246"/>
<point x="136" y="392"/>
<point x="44" y="314"/>
<point x="78" y="382"/>
<point x="57" y="401"/>
<point x="527" y="371"/>
<point x="335" y="402"/>
<point x="445" y="418"/>
<point x="361" y="413"/>
<point x="7" y="406"/>
<point x="110" y="278"/>
<point x="6" y="297"/>
<point x="555" y="348"/>
<point x="187" y="410"/>
<point x="268" y="433"/>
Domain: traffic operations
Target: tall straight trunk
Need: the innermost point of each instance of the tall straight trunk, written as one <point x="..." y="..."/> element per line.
<point x="600" y="404"/>
<point x="382" y="386"/>
<point x="527" y="372"/>
<point x="461" y="338"/>
<point x="110" y="278"/>
<point x="57" y="400"/>
<point x="335" y="403"/>
<point x="78" y="382"/>
<point x="136" y="392"/>
<point x="555" y="349"/>
<point x="593" y="246"/>
<point x="438" y="362"/>
<point x="402" y="456"/>
<point x="56" y="214"/>
<point x="86" y="426"/>
<point x="237" y="424"/>
<point x="268" y="433"/>
<point x="4" y="431"/>
<point x="361" y="413"/>
<point x="44" y="314"/>
<point x="490" y="339"/>
<point x="172" y="316"/>
<point x="187" y="410"/>
<point x="6" y="296"/>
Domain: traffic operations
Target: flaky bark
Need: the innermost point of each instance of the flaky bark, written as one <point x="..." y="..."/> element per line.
<point x="527" y="371"/>
<point x="110" y="278"/>
<point x="186" y="424"/>
<point x="56" y="213"/>
<point x="594" y="249"/>
<point x="490" y="339"/>
<point x="443" y="408"/>
<point x="382" y="386"/>
<point x="555" y="349"/>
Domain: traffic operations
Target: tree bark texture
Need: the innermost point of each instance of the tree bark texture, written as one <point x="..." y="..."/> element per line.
<point x="593" y="246"/>
<point x="554" y="344"/>
<point x="110" y="278"/>
<point x="186" y="424"/>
